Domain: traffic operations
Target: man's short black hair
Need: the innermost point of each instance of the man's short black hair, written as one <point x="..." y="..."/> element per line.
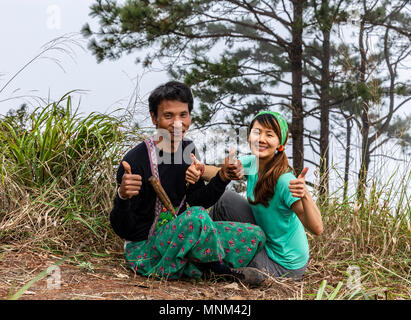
<point x="172" y="90"/>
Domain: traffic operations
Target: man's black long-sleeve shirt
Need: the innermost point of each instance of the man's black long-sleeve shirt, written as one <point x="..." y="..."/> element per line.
<point x="131" y="219"/>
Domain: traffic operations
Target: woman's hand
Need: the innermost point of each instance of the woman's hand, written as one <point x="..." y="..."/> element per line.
<point x="232" y="169"/>
<point x="297" y="187"/>
<point x="305" y="209"/>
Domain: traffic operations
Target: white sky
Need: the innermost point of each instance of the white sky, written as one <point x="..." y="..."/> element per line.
<point x="26" y="25"/>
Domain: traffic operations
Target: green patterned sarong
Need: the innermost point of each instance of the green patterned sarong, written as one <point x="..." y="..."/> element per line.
<point x="177" y="248"/>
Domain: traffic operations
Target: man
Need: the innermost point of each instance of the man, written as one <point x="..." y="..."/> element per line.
<point x="156" y="243"/>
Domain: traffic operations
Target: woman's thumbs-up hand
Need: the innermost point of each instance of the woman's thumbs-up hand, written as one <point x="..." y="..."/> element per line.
<point x="130" y="183"/>
<point x="298" y="187"/>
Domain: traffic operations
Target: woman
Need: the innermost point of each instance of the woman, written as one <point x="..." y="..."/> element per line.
<point x="278" y="202"/>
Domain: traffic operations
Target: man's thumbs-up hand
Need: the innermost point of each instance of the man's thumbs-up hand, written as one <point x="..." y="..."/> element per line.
<point x="196" y="163"/>
<point x="126" y="167"/>
<point x="130" y="183"/>
<point x="298" y="187"/>
<point x="231" y="156"/>
<point x="195" y="170"/>
<point x="232" y="168"/>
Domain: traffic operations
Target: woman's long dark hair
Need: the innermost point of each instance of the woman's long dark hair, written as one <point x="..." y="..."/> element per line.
<point x="278" y="165"/>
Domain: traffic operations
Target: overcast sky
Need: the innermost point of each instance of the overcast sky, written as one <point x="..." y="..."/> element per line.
<point x="27" y="25"/>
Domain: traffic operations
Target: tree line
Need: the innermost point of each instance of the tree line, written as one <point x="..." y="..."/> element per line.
<point x="339" y="62"/>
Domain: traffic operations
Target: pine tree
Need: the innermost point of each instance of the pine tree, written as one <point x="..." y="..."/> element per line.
<point x="243" y="56"/>
<point x="238" y="56"/>
<point x="318" y="57"/>
<point x="379" y="74"/>
<point x="369" y="81"/>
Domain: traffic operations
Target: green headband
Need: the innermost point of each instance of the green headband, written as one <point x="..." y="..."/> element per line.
<point x="281" y="121"/>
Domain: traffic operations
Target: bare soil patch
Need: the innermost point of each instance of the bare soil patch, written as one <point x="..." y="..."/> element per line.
<point x="104" y="276"/>
<point x="97" y="278"/>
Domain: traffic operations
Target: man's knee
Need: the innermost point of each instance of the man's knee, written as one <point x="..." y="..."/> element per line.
<point x="232" y="197"/>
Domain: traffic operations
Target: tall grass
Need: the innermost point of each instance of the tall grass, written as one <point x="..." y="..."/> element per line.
<point x="373" y="233"/>
<point x="57" y="175"/>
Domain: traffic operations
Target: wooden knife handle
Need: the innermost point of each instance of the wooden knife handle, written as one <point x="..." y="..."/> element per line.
<point x="162" y="194"/>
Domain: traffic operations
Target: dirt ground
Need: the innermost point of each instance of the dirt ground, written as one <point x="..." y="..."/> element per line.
<point x="107" y="278"/>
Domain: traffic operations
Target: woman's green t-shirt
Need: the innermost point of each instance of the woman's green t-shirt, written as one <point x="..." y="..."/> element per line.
<point x="286" y="241"/>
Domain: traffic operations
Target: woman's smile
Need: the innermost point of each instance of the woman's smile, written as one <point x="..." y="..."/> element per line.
<point x="263" y="141"/>
<point x="262" y="148"/>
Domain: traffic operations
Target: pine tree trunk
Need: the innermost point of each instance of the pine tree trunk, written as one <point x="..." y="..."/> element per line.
<point x="325" y="112"/>
<point x="297" y="126"/>
<point x="365" y="122"/>
<point x="347" y="157"/>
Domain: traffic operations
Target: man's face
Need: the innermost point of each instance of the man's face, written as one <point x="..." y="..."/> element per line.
<point x="174" y="117"/>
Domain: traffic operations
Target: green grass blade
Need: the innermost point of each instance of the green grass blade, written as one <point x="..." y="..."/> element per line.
<point x="336" y="290"/>
<point x="320" y="291"/>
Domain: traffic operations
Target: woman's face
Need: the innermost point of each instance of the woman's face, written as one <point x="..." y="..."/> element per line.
<point x="263" y="141"/>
